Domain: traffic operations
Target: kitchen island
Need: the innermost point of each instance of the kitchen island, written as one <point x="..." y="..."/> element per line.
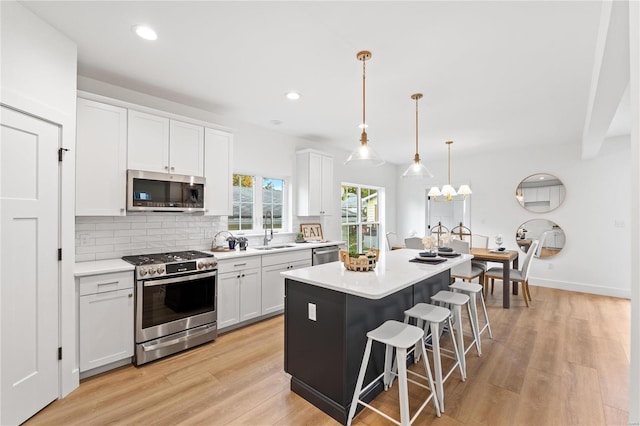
<point x="328" y="312"/>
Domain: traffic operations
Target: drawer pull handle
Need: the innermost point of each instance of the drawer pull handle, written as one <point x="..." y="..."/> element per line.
<point x="130" y="295"/>
<point x="239" y="264"/>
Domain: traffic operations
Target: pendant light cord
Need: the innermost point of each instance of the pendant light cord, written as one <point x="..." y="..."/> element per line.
<point x="364" y="66"/>
<point x="449" y="162"/>
<point x="417" y="98"/>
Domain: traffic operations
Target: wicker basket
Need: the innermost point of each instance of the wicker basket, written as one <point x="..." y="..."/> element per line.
<point x="362" y="263"/>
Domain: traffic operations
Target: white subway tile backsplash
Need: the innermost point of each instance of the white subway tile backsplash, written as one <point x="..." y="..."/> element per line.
<point x="100" y="237"/>
<point x="113" y="226"/>
<point x="85" y="257"/>
<point x="129" y="232"/>
<point x="94" y="249"/>
<point x="112" y="240"/>
<point x="85" y="227"/>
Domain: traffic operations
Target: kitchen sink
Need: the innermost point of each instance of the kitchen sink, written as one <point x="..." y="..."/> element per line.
<point x="275" y="247"/>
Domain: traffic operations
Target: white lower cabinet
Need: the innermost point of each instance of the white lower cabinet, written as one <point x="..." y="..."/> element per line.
<point x="273" y="282"/>
<point x="105" y="318"/>
<point x="239" y="290"/>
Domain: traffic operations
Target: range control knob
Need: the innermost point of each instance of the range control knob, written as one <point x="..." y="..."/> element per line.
<point x="143" y="272"/>
<point x="160" y="269"/>
<point x="200" y="265"/>
<point x="152" y="270"/>
<point x="212" y="264"/>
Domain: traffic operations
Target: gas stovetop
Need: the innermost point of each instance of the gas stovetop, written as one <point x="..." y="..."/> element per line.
<point x="163" y="264"/>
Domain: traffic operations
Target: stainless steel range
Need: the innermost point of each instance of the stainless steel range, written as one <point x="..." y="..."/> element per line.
<point x="176" y="302"/>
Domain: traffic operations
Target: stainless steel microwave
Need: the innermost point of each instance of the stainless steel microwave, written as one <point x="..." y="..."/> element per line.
<point x="166" y="192"/>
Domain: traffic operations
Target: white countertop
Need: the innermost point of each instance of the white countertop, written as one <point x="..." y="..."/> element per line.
<point x="252" y="251"/>
<point x="83" y="269"/>
<point x="392" y="273"/>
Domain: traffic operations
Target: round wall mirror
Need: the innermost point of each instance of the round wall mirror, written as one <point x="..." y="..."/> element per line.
<point x="550" y="235"/>
<point x="540" y="193"/>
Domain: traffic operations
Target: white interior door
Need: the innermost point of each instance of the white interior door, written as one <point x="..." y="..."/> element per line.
<point x="29" y="220"/>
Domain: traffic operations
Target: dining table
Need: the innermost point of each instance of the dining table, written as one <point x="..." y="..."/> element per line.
<point x="508" y="258"/>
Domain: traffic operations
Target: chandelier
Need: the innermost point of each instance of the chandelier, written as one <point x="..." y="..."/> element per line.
<point x="448" y="192"/>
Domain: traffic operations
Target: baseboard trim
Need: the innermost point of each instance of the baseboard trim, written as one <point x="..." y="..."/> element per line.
<point x="580" y="287"/>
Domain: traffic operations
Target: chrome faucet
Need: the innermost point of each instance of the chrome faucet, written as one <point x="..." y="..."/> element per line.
<point x="267" y="239"/>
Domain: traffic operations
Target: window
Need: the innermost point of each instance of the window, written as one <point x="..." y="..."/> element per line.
<point x="250" y="208"/>
<point x="360" y="217"/>
<point x="243" y="202"/>
<point x="273" y="200"/>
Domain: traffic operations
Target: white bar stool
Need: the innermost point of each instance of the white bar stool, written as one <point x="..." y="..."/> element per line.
<point x="474" y="291"/>
<point x="394" y="334"/>
<point x="434" y="317"/>
<point x="455" y="301"/>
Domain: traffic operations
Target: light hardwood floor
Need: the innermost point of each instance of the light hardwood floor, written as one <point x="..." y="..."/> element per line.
<point x="563" y="361"/>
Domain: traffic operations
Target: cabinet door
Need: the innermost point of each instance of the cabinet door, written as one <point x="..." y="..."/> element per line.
<point x="327" y="185"/>
<point x="106" y="328"/>
<point x="250" y="294"/>
<point x="186" y="148"/>
<point x="218" y="159"/>
<point x="148" y="142"/>
<point x="101" y="159"/>
<point x="273" y="288"/>
<point x="228" y="299"/>
<point x="315" y="184"/>
<point x="273" y="285"/>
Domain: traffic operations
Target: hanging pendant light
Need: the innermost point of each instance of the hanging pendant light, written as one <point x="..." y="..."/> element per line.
<point x="417" y="170"/>
<point x="448" y="191"/>
<point x="364" y="156"/>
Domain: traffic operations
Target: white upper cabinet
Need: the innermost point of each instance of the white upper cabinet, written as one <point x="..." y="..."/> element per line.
<point x="148" y="142"/>
<point x="186" y="143"/>
<point x="315" y="183"/>
<point x="159" y="144"/>
<point x="101" y="159"/>
<point x="218" y="158"/>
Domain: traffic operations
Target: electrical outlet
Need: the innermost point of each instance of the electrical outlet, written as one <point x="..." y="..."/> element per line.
<point x="85" y="239"/>
<point x="550" y="265"/>
<point x="312" y="311"/>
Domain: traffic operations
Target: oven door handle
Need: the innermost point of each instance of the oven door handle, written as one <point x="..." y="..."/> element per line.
<point x="147" y="348"/>
<point x="183" y="278"/>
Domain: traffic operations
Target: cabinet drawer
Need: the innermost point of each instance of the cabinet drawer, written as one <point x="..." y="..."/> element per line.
<point x="241" y="263"/>
<point x="287" y="257"/>
<point x="105" y="282"/>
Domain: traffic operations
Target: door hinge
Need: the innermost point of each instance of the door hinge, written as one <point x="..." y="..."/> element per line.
<point x="60" y="152"/>
<point x="59" y="353"/>
<point x="59" y="254"/>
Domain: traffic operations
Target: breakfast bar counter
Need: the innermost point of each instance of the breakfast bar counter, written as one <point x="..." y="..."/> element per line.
<point x="328" y="312"/>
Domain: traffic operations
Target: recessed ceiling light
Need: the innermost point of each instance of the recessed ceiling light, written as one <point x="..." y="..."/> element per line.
<point x="276" y="122"/>
<point x="292" y="96"/>
<point x="145" y="32"/>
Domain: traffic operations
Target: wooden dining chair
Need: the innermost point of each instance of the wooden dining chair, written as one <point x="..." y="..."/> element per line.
<point x="515" y="275"/>
<point x="439" y="230"/>
<point x="463" y="233"/>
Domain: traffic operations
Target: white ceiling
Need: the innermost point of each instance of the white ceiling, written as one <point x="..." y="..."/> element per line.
<point x="493" y="74"/>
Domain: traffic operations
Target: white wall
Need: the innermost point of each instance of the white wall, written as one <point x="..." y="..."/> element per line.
<point x="39" y="76"/>
<point x="595" y="245"/>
